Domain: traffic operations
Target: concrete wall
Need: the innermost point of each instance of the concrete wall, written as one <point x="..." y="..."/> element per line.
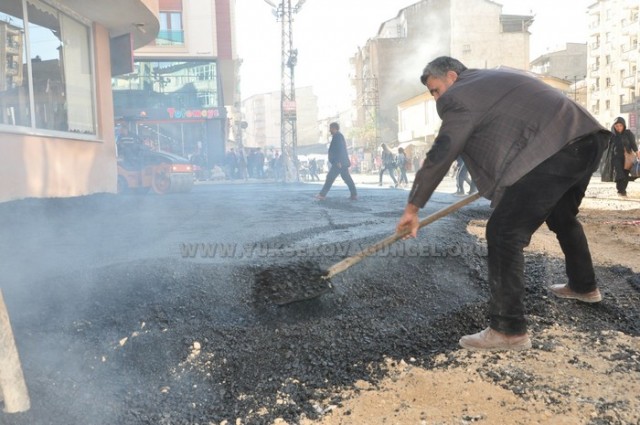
<point x="200" y="38"/>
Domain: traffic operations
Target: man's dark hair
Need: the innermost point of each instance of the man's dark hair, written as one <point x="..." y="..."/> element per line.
<point x="440" y="66"/>
<point x="334" y="125"/>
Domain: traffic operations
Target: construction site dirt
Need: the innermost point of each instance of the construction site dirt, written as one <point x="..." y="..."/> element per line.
<point x="130" y="309"/>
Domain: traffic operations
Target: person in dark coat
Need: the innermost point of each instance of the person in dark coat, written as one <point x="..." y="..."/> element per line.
<point x="313" y="170"/>
<point x="531" y="151"/>
<point x="613" y="164"/>
<point x="462" y="177"/>
<point x="340" y="163"/>
<point x="388" y="164"/>
<point x="259" y="164"/>
<point x="403" y="163"/>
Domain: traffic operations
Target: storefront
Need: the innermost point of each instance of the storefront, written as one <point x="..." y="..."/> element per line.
<point x="56" y="115"/>
<point x="174" y="106"/>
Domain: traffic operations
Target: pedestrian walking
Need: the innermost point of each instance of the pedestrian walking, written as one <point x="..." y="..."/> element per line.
<point x="259" y="164"/>
<point x="388" y="164"/>
<point x="231" y="164"/>
<point x="462" y="177"/>
<point x="313" y="170"/>
<point x="339" y="160"/>
<point x="403" y="163"/>
<point x="613" y="165"/>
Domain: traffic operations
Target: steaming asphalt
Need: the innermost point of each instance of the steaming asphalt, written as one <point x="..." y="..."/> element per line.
<point x="234" y="224"/>
<point x="82" y="275"/>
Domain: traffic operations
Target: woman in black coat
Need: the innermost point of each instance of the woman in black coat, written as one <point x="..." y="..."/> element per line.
<point x="613" y="164"/>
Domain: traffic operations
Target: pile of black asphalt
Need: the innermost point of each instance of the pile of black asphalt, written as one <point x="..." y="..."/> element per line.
<point x="134" y="333"/>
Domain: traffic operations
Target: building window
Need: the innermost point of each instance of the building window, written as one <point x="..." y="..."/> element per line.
<point x="170" y="101"/>
<point x="607" y="105"/>
<point x="46" y="75"/>
<point x="171" y="32"/>
<point x="164" y="84"/>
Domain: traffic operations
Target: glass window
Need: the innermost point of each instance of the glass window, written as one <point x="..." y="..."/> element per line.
<point x="163" y="84"/>
<point x="61" y="69"/>
<point x="14" y="83"/>
<point x="174" y="104"/>
<point x="171" y="33"/>
<point x="53" y="51"/>
<point x="176" y="21"/>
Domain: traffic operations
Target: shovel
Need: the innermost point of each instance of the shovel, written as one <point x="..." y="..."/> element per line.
<point x="310" y="281"/>
<point x="372" y="249"/>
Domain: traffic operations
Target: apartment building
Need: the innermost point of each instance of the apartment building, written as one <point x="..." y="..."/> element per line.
<point x="262" y="114"/>
<point x="568" y="64"/>
<point x="182" y="89"/>
<point x="388" y="66"/>
<point x="56" y="114"/>
<point x="612" y="63"/>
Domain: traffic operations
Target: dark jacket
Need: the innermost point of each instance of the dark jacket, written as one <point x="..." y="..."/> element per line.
<point x="503" y="124"/>
<point x="612" y="165"/>
<point x="388" y="159"/>
<point x="338" y="151"/>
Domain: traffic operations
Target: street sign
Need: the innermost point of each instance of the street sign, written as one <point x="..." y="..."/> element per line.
<point x="289" y="106"/>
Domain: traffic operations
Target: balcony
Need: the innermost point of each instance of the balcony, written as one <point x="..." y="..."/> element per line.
<point x="629" y="82"/>
<point x="13" y="47"/>
<point x="629" y="53"/>
<point x="170" y="38"/>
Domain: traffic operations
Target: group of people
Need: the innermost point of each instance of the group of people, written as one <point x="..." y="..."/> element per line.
<point x="254" y="164"/>
<point x="531" y="151"/>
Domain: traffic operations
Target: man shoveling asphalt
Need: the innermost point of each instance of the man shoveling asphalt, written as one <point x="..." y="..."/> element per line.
<point x="531" y="151"/>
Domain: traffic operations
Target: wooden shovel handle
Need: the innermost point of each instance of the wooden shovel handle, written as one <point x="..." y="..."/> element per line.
<point x="372" y="249"/>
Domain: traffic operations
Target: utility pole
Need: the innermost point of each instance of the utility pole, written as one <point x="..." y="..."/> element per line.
<point x="575" y="80"/>
<point x="371" y="105"/>
<point x="288" y="109"/>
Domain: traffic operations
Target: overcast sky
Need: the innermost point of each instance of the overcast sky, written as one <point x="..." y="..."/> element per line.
<point x="327" y="33"/>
